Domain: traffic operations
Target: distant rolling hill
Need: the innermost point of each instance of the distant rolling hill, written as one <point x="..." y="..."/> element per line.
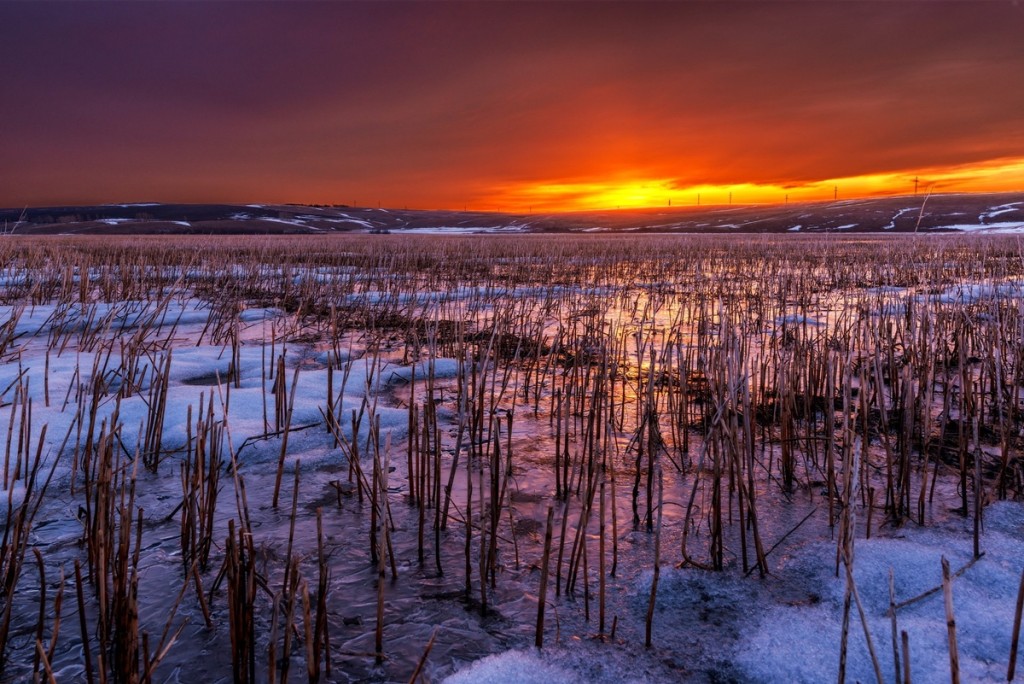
<point x="1002" y="212"/>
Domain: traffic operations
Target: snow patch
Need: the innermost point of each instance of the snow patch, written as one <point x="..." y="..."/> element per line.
<point x="999" y="227"/>
<point x="998" y="210"/>
<point x="513" y="667"/>
<point x="799" y="642"/>
<point x="464" y="230"/>
<point x="901" y="212"/>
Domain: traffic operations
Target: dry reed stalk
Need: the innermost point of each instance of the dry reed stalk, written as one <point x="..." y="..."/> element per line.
<point x="544" y="567"/>
<point x="312" y="655"/>
<point x="462" y="380"/>
<point x="291" y="529"/>
<point x="1015" y="638"/>
<point x="920" y="355"/>
<point x="417" y="441"/>
<point x="41" y="653"/>
<point x="17" y="530"/>
<point x="979" y="493"/>
<point x="412" y="443"/>
<point x="199" y="596"/>
<point x="601" y="563"/>
<point x="286" y="428"/>
<point x="895" y="631"/>
<point x="905" y="640"/>
<point x="384" y="549"/>
<point x="649" y="622"/>
<point x="155" y="417"/>
<point x="241" y="579"/>
<point x="936" y="589"/>
<point x="86" y="649"/>
<point x="947" y="593"/>
<point x="322" y="634"/>
<point x="438" y="524"/>
<point x="614" y="509"/>
<point x="41" y="619"/>
<point x="558" y="441"/>
<point x="498" y="478"/>
<point x="58" y="603"/>
<point x="844" y="549"/>
<point x="423" y="658"/>
<point x="290" y="593"/>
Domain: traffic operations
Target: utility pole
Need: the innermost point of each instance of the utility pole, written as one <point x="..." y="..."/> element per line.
<point x="915" y="185"/>
<point x="835" y="193"/>
<point x="698" y="199"/>
<point x="730" y="198"/>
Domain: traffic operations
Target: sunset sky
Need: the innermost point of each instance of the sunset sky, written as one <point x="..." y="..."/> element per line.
<point x="507" y="106"/>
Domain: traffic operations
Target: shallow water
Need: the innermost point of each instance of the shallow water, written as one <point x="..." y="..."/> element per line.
<point x="703" y="619"/>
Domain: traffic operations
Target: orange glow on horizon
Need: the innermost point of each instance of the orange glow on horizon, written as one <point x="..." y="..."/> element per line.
<point x="1001" y="175"/>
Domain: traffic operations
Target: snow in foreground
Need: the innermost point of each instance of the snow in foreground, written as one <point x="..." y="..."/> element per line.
<point x="788" y="628"/>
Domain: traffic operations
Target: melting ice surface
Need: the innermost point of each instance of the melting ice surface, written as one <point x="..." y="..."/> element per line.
<point x="707" y="626"/>
<point x="787" y="628"/>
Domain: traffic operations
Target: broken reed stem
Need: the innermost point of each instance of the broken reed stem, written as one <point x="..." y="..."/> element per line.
<point x="937" y="589"/>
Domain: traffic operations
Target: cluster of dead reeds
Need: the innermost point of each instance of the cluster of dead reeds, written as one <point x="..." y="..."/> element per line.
<point x="855" y="373"/>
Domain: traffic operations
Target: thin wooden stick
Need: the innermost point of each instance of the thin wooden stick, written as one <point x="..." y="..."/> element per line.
<point x="544" y="566"/>
<point x="947" y="593"/>
<point x="657" y="562"/>
<point x="81" y="623"/>
<point x="423" y="658"/>
<point x="906" y="656"/>
<point x="892" y="619"/>
<point x="41" y="652"/>
<point x="1016" y="630"/>
<point x="935" y="590"/>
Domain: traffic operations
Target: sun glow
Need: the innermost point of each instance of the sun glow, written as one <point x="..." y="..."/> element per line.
<point x="632" y="193"/>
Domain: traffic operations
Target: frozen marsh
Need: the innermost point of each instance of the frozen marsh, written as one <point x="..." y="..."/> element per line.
<point x="511" y="458"/>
